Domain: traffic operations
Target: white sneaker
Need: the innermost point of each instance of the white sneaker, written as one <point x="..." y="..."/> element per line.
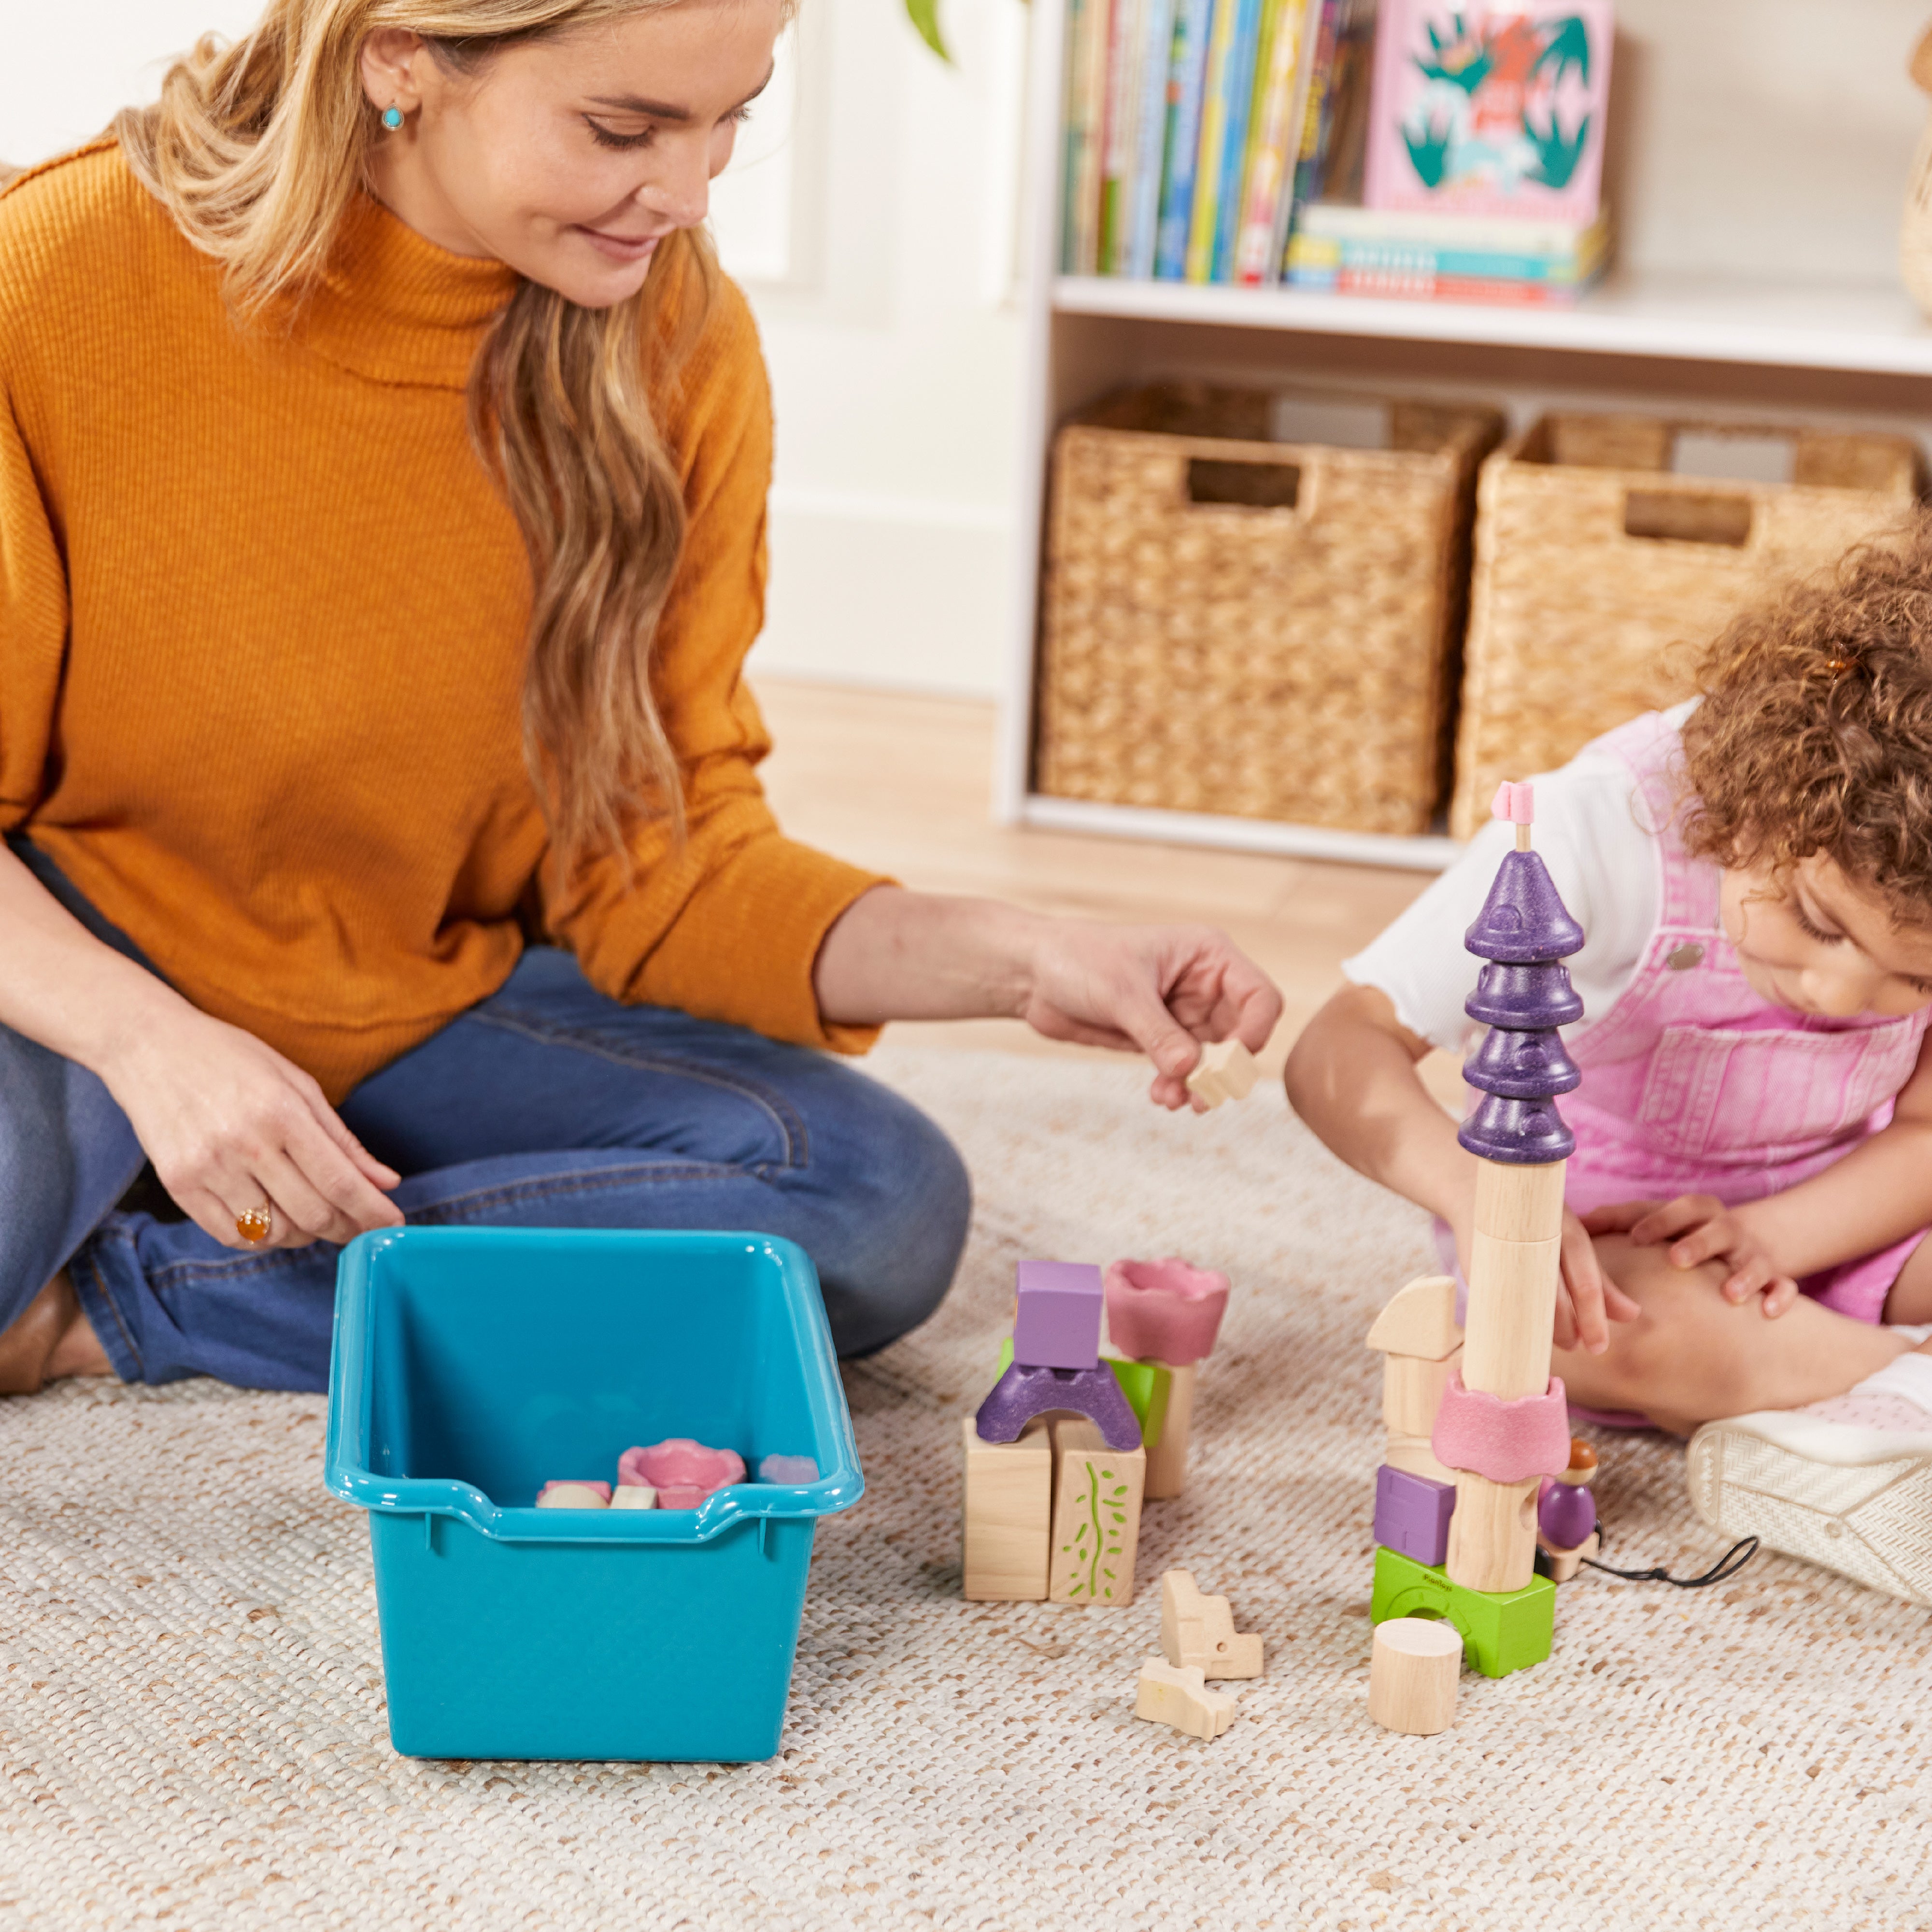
<point x="1846" y="1483"/>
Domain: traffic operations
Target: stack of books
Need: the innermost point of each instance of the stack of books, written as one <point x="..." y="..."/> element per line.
<point x="1446" y="257"/>
<point x="1420" y="149"/>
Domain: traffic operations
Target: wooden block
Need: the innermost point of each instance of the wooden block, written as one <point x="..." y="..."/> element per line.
<point x="1097" y="1516"/>
<point x="1412" y="1392"/>
<point x="1413" y="1454"/>
<point x="1412" y="1672"/>
<point x="1198" y="1632"/>
<point x="1564" y="1563"/>
<point x="566" y="1495"/>
<point x="1225" y="1071"/>
<point x="1167" y="1460"/>
<point x="1420" y="1321"/>
<point x="1008" y="1516"/>
<point x="1512" y="1308"/>
<point x="1181" y="1698"/>
<point x="1519" y="1204"/>
<point x="1492" y="1534"/>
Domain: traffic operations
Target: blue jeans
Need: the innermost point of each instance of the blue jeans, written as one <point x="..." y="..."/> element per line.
<point x="546" y="1105"/>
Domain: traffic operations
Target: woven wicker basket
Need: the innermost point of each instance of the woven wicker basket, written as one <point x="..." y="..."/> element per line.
<point x="1238" y="622"/>
<point x="1600" y="573"/>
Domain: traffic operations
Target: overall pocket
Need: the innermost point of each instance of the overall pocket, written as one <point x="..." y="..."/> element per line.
<point x="1774" y="1095"/>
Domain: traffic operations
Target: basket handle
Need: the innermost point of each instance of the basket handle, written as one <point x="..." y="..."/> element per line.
<point x="1721" y="519"/>
<point x="1247" y="483"/>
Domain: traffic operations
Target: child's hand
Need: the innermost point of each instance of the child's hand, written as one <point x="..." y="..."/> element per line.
<point x="1699" y="1227"/>
<point x="1589" y="1300"/>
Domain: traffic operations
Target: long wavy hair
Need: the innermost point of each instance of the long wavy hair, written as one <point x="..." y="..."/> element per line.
<point x="258" y="148"/>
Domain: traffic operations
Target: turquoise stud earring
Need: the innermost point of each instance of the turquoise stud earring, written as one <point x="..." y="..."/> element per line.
<point x="392" y="117"/>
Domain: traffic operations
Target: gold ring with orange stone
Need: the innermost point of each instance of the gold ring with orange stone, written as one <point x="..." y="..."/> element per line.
<point x="257" y="1225"/>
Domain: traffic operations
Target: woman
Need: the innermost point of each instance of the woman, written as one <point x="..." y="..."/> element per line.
<point x="382" y="473"/>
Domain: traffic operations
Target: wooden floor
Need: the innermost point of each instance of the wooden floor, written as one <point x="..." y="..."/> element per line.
<point x="904" y="784"/>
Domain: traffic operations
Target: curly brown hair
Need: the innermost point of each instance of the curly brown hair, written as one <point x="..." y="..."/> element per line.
<point x="1815" y="734"/>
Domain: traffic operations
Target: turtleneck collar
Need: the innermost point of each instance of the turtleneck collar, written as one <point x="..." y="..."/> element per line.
<point x="393" y="306"/>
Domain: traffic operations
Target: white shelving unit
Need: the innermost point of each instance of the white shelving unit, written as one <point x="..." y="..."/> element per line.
<point x="1800" y="340"/>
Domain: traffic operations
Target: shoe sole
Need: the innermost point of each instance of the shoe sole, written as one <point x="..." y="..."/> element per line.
<point x="1860" y="1507"/>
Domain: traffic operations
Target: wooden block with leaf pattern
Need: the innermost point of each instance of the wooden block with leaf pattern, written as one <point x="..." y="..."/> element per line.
<point x="1096" y="1517"/>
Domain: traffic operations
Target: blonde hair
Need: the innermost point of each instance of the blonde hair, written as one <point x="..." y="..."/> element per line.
<point x="257" y="149"/>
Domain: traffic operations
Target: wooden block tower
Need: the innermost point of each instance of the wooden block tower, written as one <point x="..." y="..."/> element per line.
<point x="1500" y="1426"/>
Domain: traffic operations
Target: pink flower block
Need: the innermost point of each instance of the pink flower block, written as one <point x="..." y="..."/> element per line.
<point x="1165" y="1311"/>
<point x="683" y="1472"/>
<point x="1507" y="1441"/>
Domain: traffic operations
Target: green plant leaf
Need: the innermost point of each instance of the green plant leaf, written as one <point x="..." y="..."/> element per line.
<point x="924" y="14"/>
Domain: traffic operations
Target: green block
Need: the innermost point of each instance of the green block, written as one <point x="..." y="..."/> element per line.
<point x="1146" y="1386"/>
<point x="1508" y="1631"/>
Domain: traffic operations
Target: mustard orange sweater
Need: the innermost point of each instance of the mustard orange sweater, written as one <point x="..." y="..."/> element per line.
<point x="262" y="629"/>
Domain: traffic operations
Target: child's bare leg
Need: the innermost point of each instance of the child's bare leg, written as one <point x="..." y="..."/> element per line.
<point x="1910" y="1300"/>
<point x="1692" y="1357"/>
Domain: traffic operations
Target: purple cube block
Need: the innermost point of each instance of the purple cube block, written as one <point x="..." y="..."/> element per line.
<point x="1058" y="1326"/>
<point x="1412" y="1514"/>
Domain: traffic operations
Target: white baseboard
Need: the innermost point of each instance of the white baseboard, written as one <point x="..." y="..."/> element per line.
<point x="904" y="594"/>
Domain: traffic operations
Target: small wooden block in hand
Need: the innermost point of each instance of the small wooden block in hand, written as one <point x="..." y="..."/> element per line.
<point x="1181" y="1698"/>
<point x="1412" y="1674"/>
<point x="1225" y="1071"/>
<point x="1198" y="1632"/>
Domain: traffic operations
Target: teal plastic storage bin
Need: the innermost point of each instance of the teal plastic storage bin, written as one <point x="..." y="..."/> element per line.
<point x="470" y="1366"/>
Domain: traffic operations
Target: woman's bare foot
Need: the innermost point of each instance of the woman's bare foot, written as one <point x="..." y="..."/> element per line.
<point x="50" y="1338"/>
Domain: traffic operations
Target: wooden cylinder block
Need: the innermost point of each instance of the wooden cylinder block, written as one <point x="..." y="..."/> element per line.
<point x="1519" y="1204"/>
<point x="1167" y="1460"/>
<point x="1412" y="1673"/>
<point x="1412" y="1392"/>
<point x="1492" y="1534"/>
<point x="1512" y="1310"/>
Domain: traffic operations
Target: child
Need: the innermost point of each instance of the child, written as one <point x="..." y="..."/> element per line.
<point x="1753" y="1176"/>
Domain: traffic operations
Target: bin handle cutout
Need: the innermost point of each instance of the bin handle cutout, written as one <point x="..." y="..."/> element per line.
<point x="1715" y="516"/>
<point x="1256" y="485"/>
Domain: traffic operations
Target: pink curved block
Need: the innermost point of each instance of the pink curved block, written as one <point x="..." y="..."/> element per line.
<point x="1165" y="1311"/>
<point x="601" y="1490"/>
<point x="1507" y="1441"/>
<point x="683" y="1472"/>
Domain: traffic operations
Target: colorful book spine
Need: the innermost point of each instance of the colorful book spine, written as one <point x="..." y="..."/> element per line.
<point x="1277" y="87"/>
<point x="1409" y="287"/>
<point x="1070" y="124"/>
<point x="1098" y="23"/>
<point x="1235" y="144"/>
<point x="1123" y="100"/>
<point x="1214" y="132"/>
<point x="1157" y="62"/>
<point x="1318" y="31"/>
<point x="1187" y="85"/>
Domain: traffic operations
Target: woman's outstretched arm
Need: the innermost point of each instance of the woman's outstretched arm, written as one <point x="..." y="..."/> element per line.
<point x="1159" y="990"/>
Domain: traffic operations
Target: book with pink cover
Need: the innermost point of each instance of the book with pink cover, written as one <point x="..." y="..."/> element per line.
<point x="1489" y="108"/>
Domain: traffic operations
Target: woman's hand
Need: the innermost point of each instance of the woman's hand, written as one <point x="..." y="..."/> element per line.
<point x="1161" y="989"/>
<point x="230" y="1125"/>
<point x="1699" y="1227"/>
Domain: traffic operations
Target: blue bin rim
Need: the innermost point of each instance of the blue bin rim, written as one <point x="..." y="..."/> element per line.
<point x="346" y="1471"/>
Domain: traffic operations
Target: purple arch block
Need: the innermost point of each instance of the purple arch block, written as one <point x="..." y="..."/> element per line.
<point x="1021" y="1393"/>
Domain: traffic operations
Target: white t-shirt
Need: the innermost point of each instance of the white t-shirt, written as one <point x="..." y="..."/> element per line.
<point x="1589" y="830"/>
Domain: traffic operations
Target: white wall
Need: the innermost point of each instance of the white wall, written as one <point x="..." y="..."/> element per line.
<point x="870" y="217"/>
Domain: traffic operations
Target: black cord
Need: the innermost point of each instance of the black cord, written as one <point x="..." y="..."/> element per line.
<point x="1726" y="1566"/>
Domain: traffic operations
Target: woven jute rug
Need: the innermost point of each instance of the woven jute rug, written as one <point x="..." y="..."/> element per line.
<point x="193" y="1722"/>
